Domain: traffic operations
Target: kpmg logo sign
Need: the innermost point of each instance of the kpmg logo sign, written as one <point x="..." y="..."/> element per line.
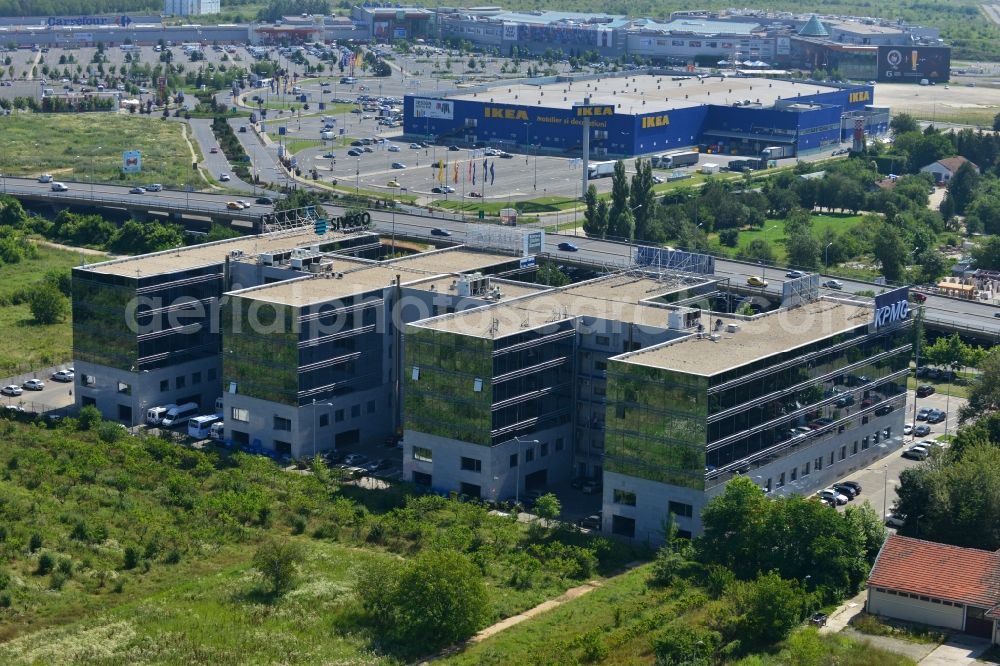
<point x="891" y="307"/>
<point x="76" y="21"/>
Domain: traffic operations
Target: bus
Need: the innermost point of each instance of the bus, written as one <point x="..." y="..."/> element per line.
<point x="200" y="427"/>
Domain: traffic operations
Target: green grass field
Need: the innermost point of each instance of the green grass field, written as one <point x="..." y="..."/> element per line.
<point x="295" y="145"/>
<point x="28" y="345"/>
<point x="492" y="208"/>
<point x="72" y="146"/>
<point x="773" y="231"/>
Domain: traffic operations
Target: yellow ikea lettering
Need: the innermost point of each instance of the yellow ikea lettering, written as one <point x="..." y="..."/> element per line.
<point x="505" y="114"/>
<point x="655" y="121"/>
<point x="582" y="111"/>
<point x="862" y="96"/>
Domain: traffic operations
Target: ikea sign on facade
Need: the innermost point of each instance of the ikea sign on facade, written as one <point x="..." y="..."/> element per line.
<point x="588" y="111"/>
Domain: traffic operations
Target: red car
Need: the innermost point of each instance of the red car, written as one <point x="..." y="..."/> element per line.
<point x="917" y="297"/>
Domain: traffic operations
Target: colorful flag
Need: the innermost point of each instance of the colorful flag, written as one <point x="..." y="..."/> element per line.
<point x="441" y="172"/>
<point x="484" y="167"/>
<point x="454" y="177"/>
<point x="492" y="172"/>
<point x="472" y="166"/>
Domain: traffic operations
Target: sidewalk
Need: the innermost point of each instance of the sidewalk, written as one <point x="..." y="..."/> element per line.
<point x="959" y="649"/>
<point x="841" y="618"/>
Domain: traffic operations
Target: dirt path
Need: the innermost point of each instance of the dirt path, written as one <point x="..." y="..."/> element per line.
<point x="194" y="155"/>
<point x="70" y="248"/>
<point x="514" y="620"/>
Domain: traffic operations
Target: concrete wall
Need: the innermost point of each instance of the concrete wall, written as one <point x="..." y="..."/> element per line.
<point x="498" y="480"/>
<point x="146" y="387"/>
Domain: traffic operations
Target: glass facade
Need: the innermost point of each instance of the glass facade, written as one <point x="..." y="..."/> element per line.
<point x="147" y="322"/>
<point x="486" y="392"/>
<point x="678" y="428"/>
<point x="261" y="351"/>
<point x="655" y="424"/>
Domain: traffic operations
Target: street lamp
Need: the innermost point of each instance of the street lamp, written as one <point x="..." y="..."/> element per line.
<point x="92" y="172"/>
<point x="315" y="424"/>
<point x="826" y="255"/>
<point x="394" y="219"/>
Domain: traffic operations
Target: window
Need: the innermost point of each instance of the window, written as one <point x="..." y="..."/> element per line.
<point x="513" y="460"/>
<point x="324" y="420"/>
<point x="529" y="454"/>
<point x="196" y="377"/>
<point x="818" y="463"/>
<point x="282" y="448"/>
<point x="164" y="385"/>
<point x="240" y="414"/>
<point x="843" y="452"/>
<point x="622" y="526"/>
<point x="781" y="479"/>
<point x="371" y="406"/>
<point x="603" y="340"/>
<point x="355" y="411"/>
<point x="422" y="454"/>
<point x="472" y="464"/>
<point x="281" y="423"/>
<point x="854" y="451"/>
<point x="211" y="374"/>
<point x="600" y="366"/>
<point x="624" y="497"/>
<point x="806" y="469"/>
<point x="559" y="443"/>
<point x="795" y="473"/>
<point x="124" y="388"/>
<point x="864" y="443"/>
<point x="88" y="380"/>
<point x="680" y="509"/>
<point x="338" y="415"/>
<point x="180" y="382"/>
<point x="600" y="390"/>
<point x="831" y="457"/>
<point x="544" y="448"/>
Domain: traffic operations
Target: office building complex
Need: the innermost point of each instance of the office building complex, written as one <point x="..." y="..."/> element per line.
<point x="615" y="379"/>
<point x="191" y="7"/>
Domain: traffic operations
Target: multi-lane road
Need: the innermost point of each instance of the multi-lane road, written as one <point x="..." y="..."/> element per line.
<point x="970" y="316"/>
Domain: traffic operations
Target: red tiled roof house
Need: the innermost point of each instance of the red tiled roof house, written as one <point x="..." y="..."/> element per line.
<point x="945" y="169"/>
<point x="937" y="584"/>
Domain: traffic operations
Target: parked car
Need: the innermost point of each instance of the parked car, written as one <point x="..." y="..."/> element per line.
<point x="592" y="487"/>
<point x="355" y="460"/>
<point x="214" y="150"/>
<point x="393" y="148"/>
<point x="568" y="247"/>
<point x="924" y="390"/>
<point x="845" y="490"/>
<point x="936" y="416"/>
<point x="476" y="195"/>
<point x="63" y="375"/>
<point x="922" y="430"/>
<point x="448" y="189"/>
<point x="329" y="155"/>
<point x="831" y="495"/>
<point x="592" y="522"/>
<point x="833" y="284"/>
<point x="923" y="414"/>
<point x="908" y="429"/>
<point x="454" y="148"/>
<point x="355" y="152"/>
<point x="11" y="389"/>
<point x="33" y="385"/>
<point x="415" y="146"/>
<point x="853" y="484"/>
<point x="438" y="231"/>
<point x="845" y="400"/>
<point x="916" y="452"/>
<point x="895" y="520"/>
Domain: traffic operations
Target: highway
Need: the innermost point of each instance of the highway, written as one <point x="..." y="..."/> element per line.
<point x="968" y="316"/>
<point x="116" y="196"/>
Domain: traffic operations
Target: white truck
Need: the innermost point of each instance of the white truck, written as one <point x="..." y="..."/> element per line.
<point x="777" y="152"/>
<point x="676" y="160"/>
<point x="600" y="170"/>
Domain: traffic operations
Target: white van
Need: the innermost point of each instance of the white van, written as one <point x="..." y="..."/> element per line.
<point x="217" y="431"/>
<point x="199" y="427"/>
<point x="326" y="135"/>
<point x="154" y="415"/>
<point x="180" y="414"/>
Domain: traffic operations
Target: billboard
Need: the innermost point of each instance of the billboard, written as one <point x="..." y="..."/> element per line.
<point x="891" y="307"/>
<point x="665" y="258"/>
<point x="433" y="108"/>
<point x="131" y="161"/>
<point x="912" y="64"/>
<point x="533" y="242"/>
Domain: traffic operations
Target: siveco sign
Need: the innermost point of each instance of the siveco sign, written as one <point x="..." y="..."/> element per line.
<point x="892" y="307"/>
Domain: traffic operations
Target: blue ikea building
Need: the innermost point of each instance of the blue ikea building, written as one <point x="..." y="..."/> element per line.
<point x="649" y="113"/>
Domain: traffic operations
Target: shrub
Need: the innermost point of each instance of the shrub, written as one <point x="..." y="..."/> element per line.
<point x="45" y="564"/>
<point x="58" y="580"/>
<point x="131" y="558"/>
<point x="110" y="432"/>
<point x="680" y="643"/>
<point x="35" y="542"/>
<point x="278" y="561"/>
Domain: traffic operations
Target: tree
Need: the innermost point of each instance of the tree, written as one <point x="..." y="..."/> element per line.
<point x="996" y="122"/>
<point x="619" y="203"/>
<point x="932" y="266"/>
<point x="764" y="610"/>
<point x="593" y="225"/>
<point x="803" y="250"/>
<point x="550" y="274"/>
<point x="984" y="394"/>
<point x="986" y="254"/>
<point x="642" y="202"/>
<point x="963" y="186"/>
<point x="278" y="562"/>
<point x="47" y="304"/>
<point x="436" y="599"/>
<point x="548" y="507"/>
<point x="889" y="251"/>
<point x="757" y="250"/>
<point x="902" y="123"/>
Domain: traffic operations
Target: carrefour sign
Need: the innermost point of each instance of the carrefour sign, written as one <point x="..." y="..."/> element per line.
<point x="76" y="21"/>
<point x="892" y="307"/>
